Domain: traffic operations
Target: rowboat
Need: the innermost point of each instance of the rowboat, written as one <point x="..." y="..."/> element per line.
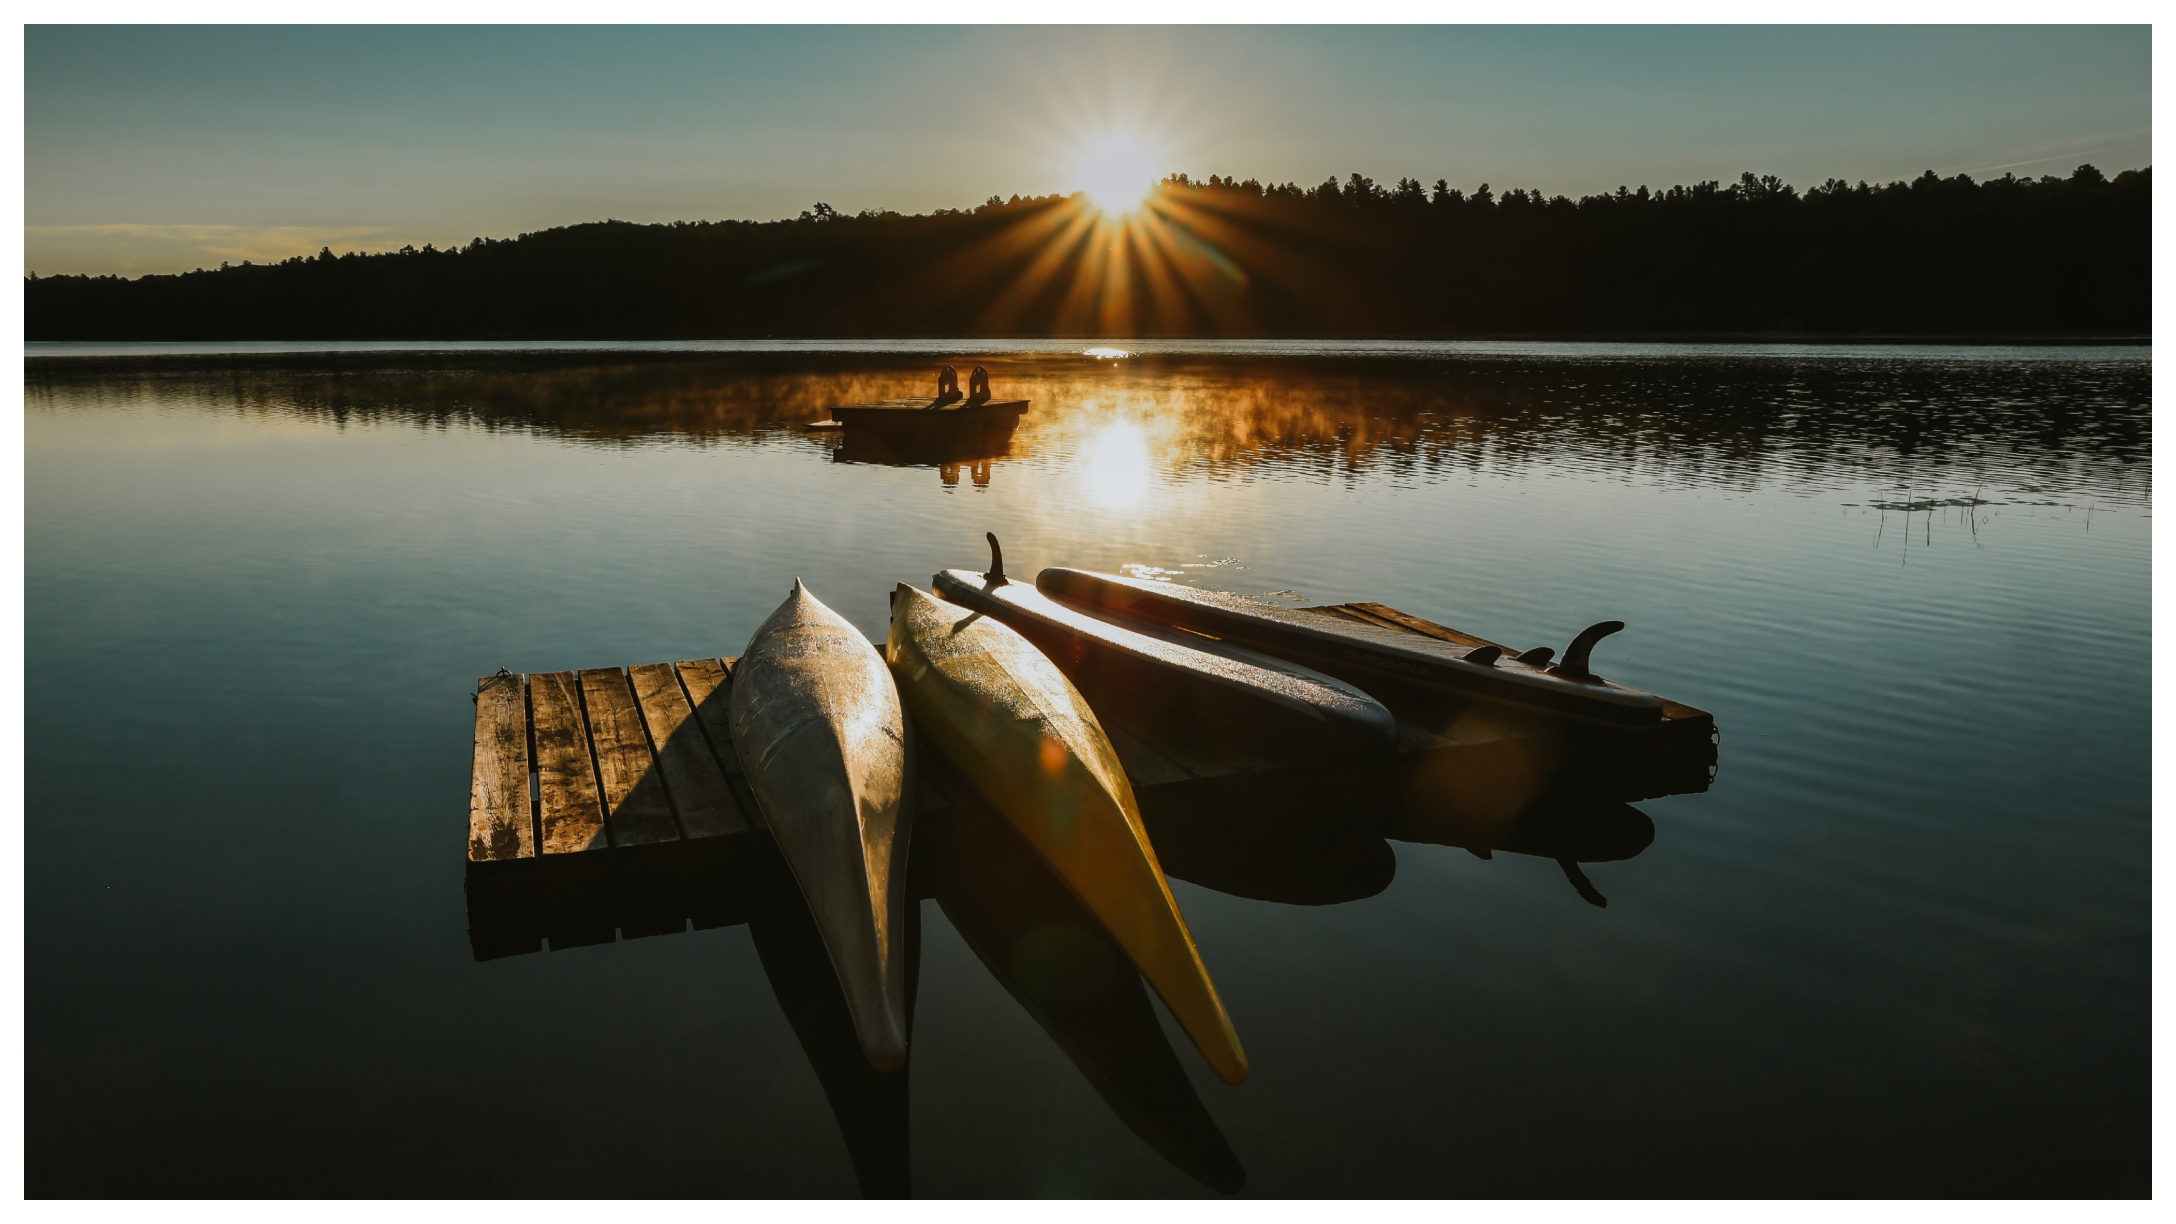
<point x="1179" y="675"/>
<point x="822" y="738"/>
<point x="1024" y="737"/>
<point x="934" y="445"/>
<point x="1369" y="654"/>
<point x="948" y="409"/>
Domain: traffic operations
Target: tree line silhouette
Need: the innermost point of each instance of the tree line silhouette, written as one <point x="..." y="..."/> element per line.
<point x="1932" y="256"/>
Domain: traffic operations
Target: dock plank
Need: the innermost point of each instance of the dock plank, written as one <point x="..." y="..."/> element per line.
<point x="699" y="791"/>
<point x="1390" y="618"/>
<point x="710" y="687"/>
<point x="500" y="824"/>
<point x="1412" y="737"/>
<point x="637" y="811"/>
<point x="572" y="816"/>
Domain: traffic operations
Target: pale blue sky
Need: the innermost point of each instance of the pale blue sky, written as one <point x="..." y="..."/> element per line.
<point x="157" y="149"/>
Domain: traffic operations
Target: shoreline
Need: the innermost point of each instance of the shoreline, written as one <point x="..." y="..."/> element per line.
<point x="47" y="352"/>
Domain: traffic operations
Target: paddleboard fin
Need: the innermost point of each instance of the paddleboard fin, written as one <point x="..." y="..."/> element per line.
<point x="1486" y="656"/>
<point x="995" y="575"/>
<point x="1582" y="885"/>
<point x="1575" y="655"/>
<point x="1539" y="656"/>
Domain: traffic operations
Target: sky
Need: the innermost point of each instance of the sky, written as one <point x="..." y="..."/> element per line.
<point x="159" y="149"/>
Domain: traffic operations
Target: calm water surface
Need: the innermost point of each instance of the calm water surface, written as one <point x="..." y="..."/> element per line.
<point x="1899" y="947"/>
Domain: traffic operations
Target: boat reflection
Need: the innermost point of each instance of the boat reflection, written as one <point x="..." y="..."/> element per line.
<point x="1325" y="840"/>
<point x="978" y="471"/>
<point x="1567" y="827"/>
<point x="1293" y="841"/>
<point x="1313" y="839"/>
<point x="1052" y="956"/>
<point x="945" y="446"/>
<point x="870" y="1105"/>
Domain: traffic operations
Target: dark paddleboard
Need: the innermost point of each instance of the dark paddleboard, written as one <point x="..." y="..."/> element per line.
<point x="1367" y="652"/>
<point x="1177" y="675"/>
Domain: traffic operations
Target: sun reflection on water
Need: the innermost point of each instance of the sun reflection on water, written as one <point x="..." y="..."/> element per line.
<point x="1116" y="465"/>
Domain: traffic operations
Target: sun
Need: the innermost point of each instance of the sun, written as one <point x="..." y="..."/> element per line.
<point x="1118" y="170"/>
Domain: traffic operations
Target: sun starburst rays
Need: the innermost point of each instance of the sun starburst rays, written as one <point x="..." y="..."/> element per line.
<point x="1157" y="269"/>
<point x="1131" y="252"/>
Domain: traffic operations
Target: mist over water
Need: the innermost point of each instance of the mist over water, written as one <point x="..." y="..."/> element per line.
<point x="1900" y="946"/>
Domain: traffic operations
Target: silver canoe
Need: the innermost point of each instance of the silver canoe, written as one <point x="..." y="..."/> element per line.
<point x="822" y="738"/>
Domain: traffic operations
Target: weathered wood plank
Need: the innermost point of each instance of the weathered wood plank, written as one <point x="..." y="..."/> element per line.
<point x="500" y="824"/>
<point x="700" y="794"/>
<point x="636" y="809"/>
<point x="710" y="687"/>
<point x="1337" y="612"/>
<point x="1390" y="618"/>
<point x="1412" y="737"/>
<point x="573" y="819"/>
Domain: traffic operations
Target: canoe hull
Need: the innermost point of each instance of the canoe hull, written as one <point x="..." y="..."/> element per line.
<point x="1006" y="717"/>
<point x="920" y="414"/>
<point x="822" y="738"/>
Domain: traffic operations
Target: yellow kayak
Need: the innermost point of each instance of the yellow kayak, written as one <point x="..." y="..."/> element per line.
<point x="1010" y="721"/>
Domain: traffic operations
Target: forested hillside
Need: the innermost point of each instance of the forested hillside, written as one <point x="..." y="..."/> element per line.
<point x="1931" y="257"/>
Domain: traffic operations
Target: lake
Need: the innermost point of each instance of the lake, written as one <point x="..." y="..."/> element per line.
<point x="1900" y="946"/>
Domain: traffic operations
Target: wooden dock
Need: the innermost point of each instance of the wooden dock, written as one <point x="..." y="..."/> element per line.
<point x="605" y="800"/>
